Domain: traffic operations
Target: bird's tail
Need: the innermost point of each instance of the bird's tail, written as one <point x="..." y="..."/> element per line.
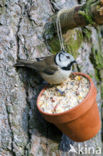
<point x="24" y="63"/>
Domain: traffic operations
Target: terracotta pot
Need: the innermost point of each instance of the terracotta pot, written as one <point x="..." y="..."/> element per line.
<point x="80" y="123"/>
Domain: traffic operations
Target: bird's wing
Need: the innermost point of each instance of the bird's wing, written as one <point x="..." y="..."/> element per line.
<point x="50" y="70"/>
<point x="45" y="67"/>
<point x="50" y="66"/>
<point x="43" y="58"/>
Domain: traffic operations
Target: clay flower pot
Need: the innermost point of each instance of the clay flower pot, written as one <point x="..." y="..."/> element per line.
<point x="80" y="123"/>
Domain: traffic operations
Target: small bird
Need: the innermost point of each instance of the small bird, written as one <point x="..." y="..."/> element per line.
<point x="54" y="69"/>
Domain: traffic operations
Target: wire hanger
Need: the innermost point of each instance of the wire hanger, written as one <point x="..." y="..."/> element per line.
<point x="59" y="31"/>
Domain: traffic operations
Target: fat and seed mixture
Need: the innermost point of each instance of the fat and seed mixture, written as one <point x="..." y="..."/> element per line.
<point x="60" y="98"/>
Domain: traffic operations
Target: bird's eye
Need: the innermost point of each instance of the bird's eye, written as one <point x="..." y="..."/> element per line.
<point x="68" y="57"/>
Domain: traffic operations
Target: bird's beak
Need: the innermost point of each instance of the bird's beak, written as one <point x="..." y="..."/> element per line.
<point x="75" y="61"/>
<point x="74" y="66"/>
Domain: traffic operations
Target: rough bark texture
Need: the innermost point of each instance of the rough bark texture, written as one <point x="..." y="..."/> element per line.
<point x="23" y="132"/>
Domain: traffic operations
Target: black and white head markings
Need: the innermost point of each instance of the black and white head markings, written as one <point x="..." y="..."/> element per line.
<point x="64" y="60"/>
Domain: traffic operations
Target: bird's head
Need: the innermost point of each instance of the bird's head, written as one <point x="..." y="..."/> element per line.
<point x="64" y="60"/>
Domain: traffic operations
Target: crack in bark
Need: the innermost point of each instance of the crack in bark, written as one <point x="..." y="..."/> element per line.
<point x="54" y="9"/>
<point x="27" y="10"/>
<point x="28" y="144"/>
<point x="12" y="134"/>
<point x="26" y="150"/>
<point x="18" y="48"/>
<point x="17" y="36"/>
<point x="18" y="57"/>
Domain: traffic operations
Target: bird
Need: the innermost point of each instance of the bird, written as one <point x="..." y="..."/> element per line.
<point x="54" y="69"/>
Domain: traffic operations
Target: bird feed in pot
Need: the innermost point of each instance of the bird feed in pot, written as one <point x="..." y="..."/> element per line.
<point x="63" y="97"/>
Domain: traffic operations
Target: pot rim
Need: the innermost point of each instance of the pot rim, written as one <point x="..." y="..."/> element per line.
<point x="72" y="109"/>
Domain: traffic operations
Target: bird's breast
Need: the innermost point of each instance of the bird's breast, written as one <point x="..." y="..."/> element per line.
<point x="57" y="78"/>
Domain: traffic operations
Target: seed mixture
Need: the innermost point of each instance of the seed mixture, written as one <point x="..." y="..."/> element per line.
<point x="60" y="98"/>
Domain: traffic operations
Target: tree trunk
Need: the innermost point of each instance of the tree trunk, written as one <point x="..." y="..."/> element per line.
<point x="23" y="131"/>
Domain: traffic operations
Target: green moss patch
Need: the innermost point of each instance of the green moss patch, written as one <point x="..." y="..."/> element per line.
<point x="72" y="42"/>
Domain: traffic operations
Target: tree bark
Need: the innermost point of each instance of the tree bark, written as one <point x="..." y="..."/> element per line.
<point x="23" y="131"/>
